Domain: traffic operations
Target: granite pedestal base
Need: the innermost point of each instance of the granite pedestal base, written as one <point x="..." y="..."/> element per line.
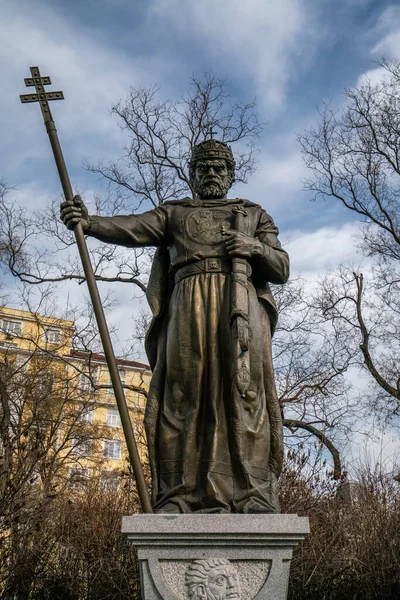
<point x="232" y="557"/>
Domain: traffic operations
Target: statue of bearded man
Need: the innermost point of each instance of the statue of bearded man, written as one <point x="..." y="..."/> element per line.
<point x="214" y="429"/>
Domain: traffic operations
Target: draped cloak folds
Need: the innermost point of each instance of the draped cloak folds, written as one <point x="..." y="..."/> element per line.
<point x="210" y="450"/>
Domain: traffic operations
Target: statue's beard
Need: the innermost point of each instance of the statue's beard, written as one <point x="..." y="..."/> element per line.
<point x="214" y="189"/>
<point x="223" y="596"/>
<point x="210" y="596"/>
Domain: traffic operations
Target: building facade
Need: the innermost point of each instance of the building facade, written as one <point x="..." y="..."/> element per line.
<point x="66" y="394"/>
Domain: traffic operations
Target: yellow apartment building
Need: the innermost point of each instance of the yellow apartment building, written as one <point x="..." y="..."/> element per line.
<point x="73" y="390"/>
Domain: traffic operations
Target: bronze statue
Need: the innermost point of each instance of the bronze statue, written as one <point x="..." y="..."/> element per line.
<point x="212" y="419"/>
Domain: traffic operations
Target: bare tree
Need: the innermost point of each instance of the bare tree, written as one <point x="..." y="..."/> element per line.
<point x="37" y="249"/>
<point x="354" y="157"/>
<point x="353" y="548"/>
<point x="42" y="436"/>
<point x="162" y="134"/>
<point x="364" y="314"/>
<point x="315" y="397"/>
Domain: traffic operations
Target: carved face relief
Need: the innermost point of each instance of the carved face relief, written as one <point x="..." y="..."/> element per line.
<point x="223" y="583"/>
<point x="214" y="579"/>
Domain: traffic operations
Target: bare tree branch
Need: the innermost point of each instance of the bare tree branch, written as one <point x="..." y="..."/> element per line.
<point x="162" y="134"/>
<point x="295" y="424"/>
<point x="354" y="157"/>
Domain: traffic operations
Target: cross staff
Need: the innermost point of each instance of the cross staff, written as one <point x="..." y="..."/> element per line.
<point x="43" y="98"/>
<point x="41" y="95"/>
<point x="210" y="132"/>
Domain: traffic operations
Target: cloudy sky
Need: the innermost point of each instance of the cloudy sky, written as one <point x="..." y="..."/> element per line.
<point x="291" y="55"/>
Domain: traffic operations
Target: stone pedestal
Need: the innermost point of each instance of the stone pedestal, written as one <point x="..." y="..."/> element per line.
<point x="237" y="557"/>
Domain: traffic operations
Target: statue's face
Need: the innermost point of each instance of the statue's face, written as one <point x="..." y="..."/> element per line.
<point x="212" y="179"/>
<point x="222" y="584"/>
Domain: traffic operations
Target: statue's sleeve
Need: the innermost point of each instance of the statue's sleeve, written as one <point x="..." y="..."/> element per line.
<point x="273" y="264"/>
<point x="147" y="229"/>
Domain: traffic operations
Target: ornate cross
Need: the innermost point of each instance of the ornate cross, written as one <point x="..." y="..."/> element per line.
<point x="210" y="132"/>
<point x="41" y="96"/>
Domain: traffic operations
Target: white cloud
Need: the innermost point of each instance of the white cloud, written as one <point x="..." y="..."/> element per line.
<point x="32" y="195"/>
<point x="284" y="169"/>
<point x="257" y="38"/>
<point x="91" y="75"/>
<point x="278" y="182"/>
<point x="386" y="44"/>
<point x="319" y="251"/>
<point x="388" y="30"/>
<point x="372" y="76"/>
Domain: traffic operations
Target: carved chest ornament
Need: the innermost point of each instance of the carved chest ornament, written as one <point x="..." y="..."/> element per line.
<point x="206" y="226"/>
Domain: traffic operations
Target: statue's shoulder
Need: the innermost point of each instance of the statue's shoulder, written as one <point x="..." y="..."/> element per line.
<point x="254" y="205"/>
<point x="181" y="202"/>
<point x="260" y="211"/>
<point x="230" y="201"/>
<point x="249" y="204"/>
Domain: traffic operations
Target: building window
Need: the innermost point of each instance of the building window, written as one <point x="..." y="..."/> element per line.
<point x="112" y="449"/>
<point x="112" y="418"/>
<point x="78" y="477"/>
<point x="86" y="382"/>
<point x="122" y="376"/>
<point x="81" y="447"/>
<point x="8" y="345"/>
<point x="53" y="336"/>
<point x="109" y="480"/>
<point x="45" y="383"/>
<point x="140" y="399"/>
<point x="11" y="327"/>
<point x="86" y="414"/>
<point x="22" y="362"/>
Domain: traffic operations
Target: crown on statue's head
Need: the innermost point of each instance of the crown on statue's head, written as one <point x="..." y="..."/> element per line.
<point x="213" y="149"/>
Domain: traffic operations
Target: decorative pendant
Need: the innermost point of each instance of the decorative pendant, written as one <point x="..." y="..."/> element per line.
<point x="243" y="379"/>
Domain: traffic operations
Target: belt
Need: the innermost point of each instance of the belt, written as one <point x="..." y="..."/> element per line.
<point x="207" y="265"/>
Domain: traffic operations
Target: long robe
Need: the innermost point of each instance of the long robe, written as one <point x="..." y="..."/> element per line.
<point x="210" y="449"/>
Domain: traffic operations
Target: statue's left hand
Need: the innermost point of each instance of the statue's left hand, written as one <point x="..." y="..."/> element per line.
<point x="242" y="245"/>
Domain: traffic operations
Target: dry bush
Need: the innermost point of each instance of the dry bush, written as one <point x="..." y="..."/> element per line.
<point x="353" y="550"/>
<point x="76" y="552"/>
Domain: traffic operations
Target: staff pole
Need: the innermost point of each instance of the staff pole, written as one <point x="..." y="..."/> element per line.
<point x="42" y="97"/>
